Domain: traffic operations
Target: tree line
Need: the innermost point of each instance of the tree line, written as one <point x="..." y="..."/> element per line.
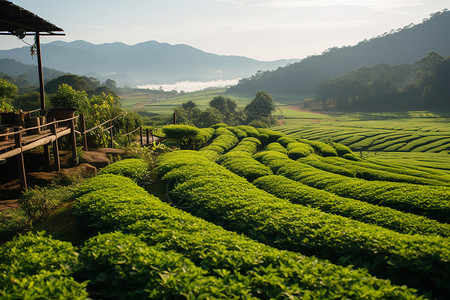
<point x="258" y="113"/>
<point x="422" y="85"/>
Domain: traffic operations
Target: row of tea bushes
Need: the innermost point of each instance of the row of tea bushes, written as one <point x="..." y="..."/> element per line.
<point x="350" y="168"/>
<point x="322" y="148"/>
<point x="275" y="146"/>
<point x="386" y="217"/>
<point x="316" y="161"/>
<point x="239" y="206"/>
<point x="372" y="171"/>
<point x="134" y="168"/>
<point x="33" y="266"/>
<point x="120" y="266"/>
<point x="368" y="173"/>
<point x="429" y="201"/>
<point x="249" y="269"/>
<point x="187" y="136"/>
<point x="239" y="160"/>
<point x="224" y="141"/>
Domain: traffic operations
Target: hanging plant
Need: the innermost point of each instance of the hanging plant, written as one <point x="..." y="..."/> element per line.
<point x="33" y="50"/>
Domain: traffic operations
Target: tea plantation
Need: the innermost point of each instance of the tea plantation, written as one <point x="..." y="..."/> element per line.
<point x="249" y="214"/>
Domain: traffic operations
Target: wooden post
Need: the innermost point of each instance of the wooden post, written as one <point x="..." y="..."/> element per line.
<point x="41" y="74"/>
<point x="47" y="155"/>
<point x="148" y="138"/>
<point x="55" y="146"/>
<point x="151" y="134"/>
<point x="111" y="143"/>
<point x="20" y="160"/>
<point x="174" y="118"/>
<point x="73" y="139"/>
<point x="140" y="135"/>
<point x="83" y="132"/>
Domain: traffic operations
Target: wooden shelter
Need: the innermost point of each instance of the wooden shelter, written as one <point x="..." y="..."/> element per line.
<point x="14" y="20"/>
<point x="19" y="22"/>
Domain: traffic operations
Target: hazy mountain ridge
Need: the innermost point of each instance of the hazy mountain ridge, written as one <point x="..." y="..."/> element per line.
<point x="147" y="62"/>
<point x="14" y="68"/>
<point x="401" y="47"/>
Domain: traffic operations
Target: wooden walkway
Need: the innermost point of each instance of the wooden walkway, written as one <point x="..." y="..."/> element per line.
<point x="21" y="140"/>
<point x="8" y="148"/>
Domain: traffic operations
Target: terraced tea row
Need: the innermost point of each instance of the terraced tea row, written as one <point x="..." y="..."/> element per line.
<point x="386" y="217"/>
<point x="429" y="201"/>
<point x="375" y="139"/>
<point x="249" y="269"/>
<point x="216" y="195"/>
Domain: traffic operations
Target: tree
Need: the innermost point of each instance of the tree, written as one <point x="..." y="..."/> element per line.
<point x="78" y="83"/>
<point x="189" y="105"/>
<point x="223" y="104"/>
<point x="8" y="92"/>
<point x="262" y="105"/>
<point x="68" y="97"/>
<point x="111" y="84"/>
<point x="28" y="101"/>
<point x="209" y="117"/>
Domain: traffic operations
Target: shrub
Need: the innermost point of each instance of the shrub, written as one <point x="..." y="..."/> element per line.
<point x="276" y="147"/>
<point x="299" y="193"/>
<point x="245" y="209"/>
<point x="36" y="267"/>
<point x="122" y="266"/>
<point x="133" y="168"/>
<point x="264" y="271"/>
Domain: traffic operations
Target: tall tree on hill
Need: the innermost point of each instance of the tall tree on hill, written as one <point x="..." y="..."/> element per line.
<point x="261" y="108"/>
<point x="223" y="104"/>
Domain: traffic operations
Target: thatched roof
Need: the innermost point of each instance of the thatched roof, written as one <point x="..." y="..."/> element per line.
<point x="13" y="18"/>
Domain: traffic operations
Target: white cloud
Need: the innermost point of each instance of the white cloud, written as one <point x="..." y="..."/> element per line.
<point x="374" y="4"/>
<point x="191" y="86"/>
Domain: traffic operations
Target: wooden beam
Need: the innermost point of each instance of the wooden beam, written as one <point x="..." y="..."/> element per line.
<point x="41" y="74"/>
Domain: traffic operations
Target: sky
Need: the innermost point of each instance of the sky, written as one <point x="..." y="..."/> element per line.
<point x="260" y="29"/>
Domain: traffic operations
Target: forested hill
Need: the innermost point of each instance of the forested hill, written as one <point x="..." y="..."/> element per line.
<point x="402" y="46"/>
<point x="13" y="68"/>
<point x="425" y="85"/>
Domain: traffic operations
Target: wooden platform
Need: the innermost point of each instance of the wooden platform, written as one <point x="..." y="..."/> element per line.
<point x="21" y="140"/>
<point x="27" y="139"/>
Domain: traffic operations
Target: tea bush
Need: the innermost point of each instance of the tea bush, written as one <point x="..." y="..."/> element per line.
<point x="33" y="266"/>
<point x="133" y="168"/>
<point x="429" y="201"/>
<point x="120" y="266"/>
<point x="297" y="192"/>
<point x="271" y="220"/>
<point x="241" y="262"/>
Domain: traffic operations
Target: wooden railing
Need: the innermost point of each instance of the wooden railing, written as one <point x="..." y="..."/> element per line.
<point x="19" y="147"/>
<point x="85" y="131"/>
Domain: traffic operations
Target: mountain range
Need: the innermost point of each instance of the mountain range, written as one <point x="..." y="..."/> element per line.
<point x="143" y="63"/>
<point x="402" y="46"/>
